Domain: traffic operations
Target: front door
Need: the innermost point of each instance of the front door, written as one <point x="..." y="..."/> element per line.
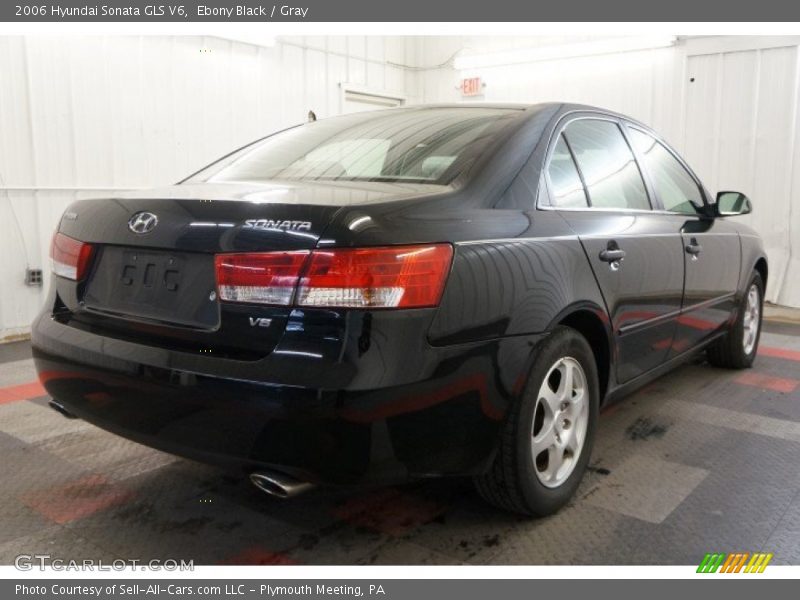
<point x="712" y="252"/>
<point x="713" y="256"/>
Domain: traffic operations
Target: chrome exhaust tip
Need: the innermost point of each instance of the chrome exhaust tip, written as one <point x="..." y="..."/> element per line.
<point x="279" y="485"/>
<point x="59" y="408"/>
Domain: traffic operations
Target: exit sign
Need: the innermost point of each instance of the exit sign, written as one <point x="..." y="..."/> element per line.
<point x="472" y="86"/>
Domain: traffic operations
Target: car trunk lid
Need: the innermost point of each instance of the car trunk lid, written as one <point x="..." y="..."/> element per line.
<point x="156" y="282"/>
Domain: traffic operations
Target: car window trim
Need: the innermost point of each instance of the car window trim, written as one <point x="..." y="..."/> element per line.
<point x="656" y="201"/>
<point x="586" y="195"/>
<point x="701" y="188"/>
<point x="558" y="130"/>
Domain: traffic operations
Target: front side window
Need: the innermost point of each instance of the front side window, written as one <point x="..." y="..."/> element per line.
<point x="607" y="164"/>
<point x="425" y="146"/>
<point x="565" y="182"/>
<point x="673" y="184"/>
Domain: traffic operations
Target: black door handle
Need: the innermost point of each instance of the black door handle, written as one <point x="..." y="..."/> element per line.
<point x="693" y="247"/>
<point x="612" y="255"/>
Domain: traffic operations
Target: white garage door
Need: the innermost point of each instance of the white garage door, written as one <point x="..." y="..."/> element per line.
<point x="740" y="135"/>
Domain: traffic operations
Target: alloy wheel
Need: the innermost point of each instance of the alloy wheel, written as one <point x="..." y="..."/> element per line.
<point x="751" y="319"/>
<point x="560" y="420"/>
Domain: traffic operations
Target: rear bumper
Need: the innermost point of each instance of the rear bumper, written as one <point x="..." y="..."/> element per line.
<point x="429" y="411"/>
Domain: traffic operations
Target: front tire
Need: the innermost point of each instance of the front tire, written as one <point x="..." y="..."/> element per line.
<point x="738" y="348"/>
<point x="548" y="437"/>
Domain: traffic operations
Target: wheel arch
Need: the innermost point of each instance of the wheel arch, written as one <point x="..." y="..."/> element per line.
<point x="592" y="322"/>
<point x="763" y="269"/>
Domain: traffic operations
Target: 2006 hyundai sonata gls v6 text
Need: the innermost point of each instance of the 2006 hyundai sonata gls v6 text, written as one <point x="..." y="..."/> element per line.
<point x="401" y="294"/>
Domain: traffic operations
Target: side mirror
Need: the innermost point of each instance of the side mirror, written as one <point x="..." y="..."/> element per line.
<point x="730" y="204"/>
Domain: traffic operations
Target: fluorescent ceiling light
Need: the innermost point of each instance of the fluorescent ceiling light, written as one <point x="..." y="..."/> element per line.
<point x="542" y="53"/>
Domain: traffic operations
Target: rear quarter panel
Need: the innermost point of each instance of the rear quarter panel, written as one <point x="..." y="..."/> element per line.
<point x="516" y="286"/>
<point x="752" y="251"/>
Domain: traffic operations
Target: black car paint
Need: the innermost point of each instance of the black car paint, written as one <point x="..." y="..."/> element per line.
<point x="348" y="396"/>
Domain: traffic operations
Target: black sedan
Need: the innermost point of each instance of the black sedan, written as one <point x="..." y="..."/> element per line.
<point x="450" y="290"/>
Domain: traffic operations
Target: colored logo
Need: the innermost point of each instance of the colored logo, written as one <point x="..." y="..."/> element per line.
<point x="737" y="562"/>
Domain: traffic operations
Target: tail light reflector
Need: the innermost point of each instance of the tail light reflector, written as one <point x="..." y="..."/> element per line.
<point x="390" y="277"/>
<point x="385" y="277"/>
<point x="259" y="277"/>
<point x="70" y="257"/>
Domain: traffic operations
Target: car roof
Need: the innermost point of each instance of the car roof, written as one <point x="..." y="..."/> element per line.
<point x="559" y="108"/>
<point x="507" y="105"/>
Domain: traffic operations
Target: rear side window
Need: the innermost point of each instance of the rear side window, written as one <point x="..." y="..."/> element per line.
<point x="673" y="184"/>
<point x="565" y="182"/>
<point x="607" y="164"/>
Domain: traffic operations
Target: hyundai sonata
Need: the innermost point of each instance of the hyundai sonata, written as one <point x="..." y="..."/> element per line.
<point x="450" y="290"/>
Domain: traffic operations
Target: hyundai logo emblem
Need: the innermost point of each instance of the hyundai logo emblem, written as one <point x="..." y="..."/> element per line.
<point x="142" y="222"/>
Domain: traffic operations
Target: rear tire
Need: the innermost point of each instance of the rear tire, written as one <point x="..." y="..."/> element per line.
<point x="547" y="439"/>
<point x="737" y="349"/>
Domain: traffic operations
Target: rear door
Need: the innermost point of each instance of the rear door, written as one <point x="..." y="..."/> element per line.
<point x="636" y="255"/>
<point x="712" y="252"/>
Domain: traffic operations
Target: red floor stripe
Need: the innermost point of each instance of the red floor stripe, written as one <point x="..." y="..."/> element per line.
<point x="609" y="409"/>
<point x="77" y="499"/>
<point x="24" y="391"/>
<point x="259" y="556"/>
<point x="390" y="511"/>
<point x="776" y="384"/>
<point x="779" y="353"/>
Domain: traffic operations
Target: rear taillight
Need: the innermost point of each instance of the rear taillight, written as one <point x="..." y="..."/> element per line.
<point x="70" y="257"/>
<point x="393" y="277"/>
<point x="388" y="277"/>
<point x="261" y="278"/>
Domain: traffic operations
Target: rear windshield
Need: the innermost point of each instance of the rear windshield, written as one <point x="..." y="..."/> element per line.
<point x="432" y="145"/>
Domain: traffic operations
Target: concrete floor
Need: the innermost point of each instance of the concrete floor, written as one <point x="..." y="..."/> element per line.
<point x="702" y="460"/>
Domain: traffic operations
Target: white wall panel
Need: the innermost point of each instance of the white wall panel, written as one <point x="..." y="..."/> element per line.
<point x="336" y="44"/>
<point x="741" y="111"/>
<point x="640" y="84"/>
<point x="376" y="49"/>
<point x="16" y="149"/>
<point x="702" y="109"/>
<point x="336" y="71"/>
<point x="773" y="167"/>
<point x="51" y="104"/>
<point x="292" y="83"/>
<point x="357" y="46"/>
<point x="790" y="290"/>
<point x="738" y="115"/>
<point x="376" y="75"/>
<point x="357" y="71"/>
<point x="395" y="50"/>
<point x="395" y="80"/>
<point x="316" y="84"/>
